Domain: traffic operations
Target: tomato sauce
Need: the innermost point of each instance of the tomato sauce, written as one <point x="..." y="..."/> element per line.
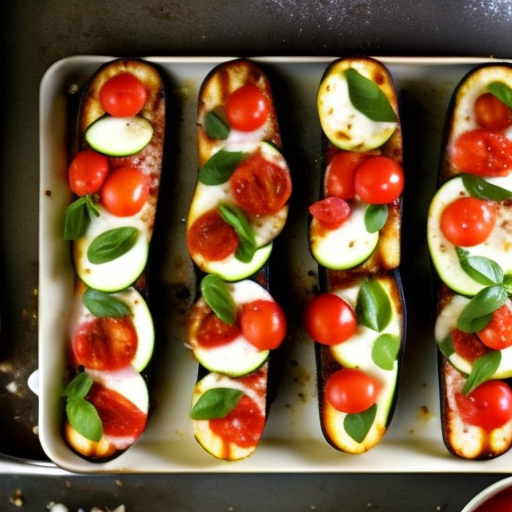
<point x="501" y="502"/>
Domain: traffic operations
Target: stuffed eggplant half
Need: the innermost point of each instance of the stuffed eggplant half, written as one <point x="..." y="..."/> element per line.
<point x="358" y="318"/>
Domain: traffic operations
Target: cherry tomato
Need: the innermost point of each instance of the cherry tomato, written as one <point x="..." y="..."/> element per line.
<point x="351" y="390"/>
<point x="340" y="174"/>
<point x="87" y="172"/>
<point x="498" y="333"/>
<point x="491" y="113"/>
<point x="489" y="406"/>
<point x="211" y="237"/>
<point x="105" y="343"/>
<point x="468" y="221"/>
<point x="247" y="108"/>
<point x="125" y="191"/>
<point x="214" y="332"/>
<point x="123" y="95"/>
<point x="332" y="212"/>
<point x="260" y="187"/>
<point x="263" y="324"/>
<point x="482" y="153"/>
<point x="329" y="319"/>
<point x="119" y="416"/>
<point x="379" y="180"/>
<point x="468" y="345"/>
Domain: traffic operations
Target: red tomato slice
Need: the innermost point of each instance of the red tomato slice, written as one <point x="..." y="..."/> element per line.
<point x="123" y="95"/>
<point x="332" y="212"/>
<point x="87" y="172"/>
<point x="247" y="108"/>
<point x="213" y="332"/>
<point x="468" y="221"/>
<point x="125" y="191"/>
<point x="379" y="180"/>
<point x="260" y="187"/>
<point x="329" y="319"/>
<point x="211" y="237"/>
<point x="242" y="426"/>
<point x="119" y="416"/>
<point x="482" y="153"/>
<point x="351" y="390"/>
<point x="498" y="334"/>
<point x="491" y="113"/>
<point x="263" y="324"/>
<point x="340" y="174"/>
<point x="489" y="406"/>
<point x="467" y="345"/>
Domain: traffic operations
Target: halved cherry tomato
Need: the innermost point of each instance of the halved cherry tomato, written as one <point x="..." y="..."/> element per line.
<point x="491" y="113"/>
<point x="119" y="416"/>
<point x="247" y="108"/>
<point x="123" y="95"/>
<point x="489" y="406"/>
<point x="329" y="319"/>
<point x="87" y="172"/>
<point x="379" y="180"/>
<point x="468" y="345"/>
<point x="498" y="333"/>
<point x="125" y="191"/>
<point x="351" y="390"/>
<point x="211" y="237"/>
<point x="263" y="324"/>
<point x="468" y="221"/>
<point x="105" y="343"/>
<point x="332" y="212"/>
<point x="259" y="186"/>
<point x="340" y="174"/>
<point x="482" y="153"/>
<point x="214" y="332"/>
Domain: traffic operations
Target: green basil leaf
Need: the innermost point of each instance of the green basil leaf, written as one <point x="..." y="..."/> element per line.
<point x="84" y="418"/>
<point x="385" y="351"/>
<point x="446" y="347"/>
<point x="483" y="270"/>
<point x="76" y="219"/>
<point x="478" y="312"/>
<point x="481" y="189"/>
<point x="358" y="425"/>
<point x="502" y="91"/>
<point x="234" y="216"/>
<point x="217" y="295"/>
<point x="368" y="98"/>
<point x="102" y="304"/>
<point x="112" y="244"/>
<point x="216" y="125"/>
<point x="219" y="168"/>
<point x="373" y="308"/>
<point x="507" y="283"/>
<point x="483" y="369"/>
<point x="78" y="387"/>
<point x="216" y="403"/>
<point x="375" y="217"/>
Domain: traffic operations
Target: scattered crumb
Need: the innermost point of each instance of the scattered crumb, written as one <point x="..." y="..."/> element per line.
<point x="17" y="498"/>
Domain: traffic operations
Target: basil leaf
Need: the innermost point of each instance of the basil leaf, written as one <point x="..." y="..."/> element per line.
<point x="78" y="387"/>
<point x="385" y="351"/>
<point x="358" y="425"/>
<point x="483" y="369"/>
<point x="502" y="91"/>
<point x="368" y="98"/>
<point x="216" y="403"/>
<point x="76" y="219"/>
<point x="373" y="308"/>
<point x="234" y="216"/>
<point x="102" y="304"/>
<point x="478" y="312"/>
<point x="216" y="126"/>
<point x="481" y="189"/>
<point x="375" y="217"/>
<point x="483" y="270"/>
<point x="112" y="244"/>
<point x="446" y="347"/>
<point x="217" y="295"/>
<point x="219" y="168"/>
<point x="84" y="418"/>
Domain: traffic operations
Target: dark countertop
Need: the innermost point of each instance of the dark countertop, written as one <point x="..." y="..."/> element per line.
<point x="35" y="35"/>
